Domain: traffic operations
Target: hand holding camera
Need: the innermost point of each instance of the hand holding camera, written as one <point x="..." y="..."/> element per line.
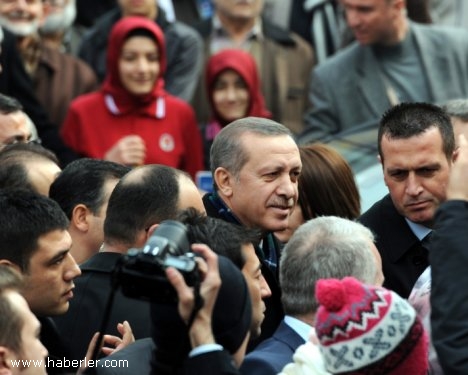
<point x="200" y="331"/>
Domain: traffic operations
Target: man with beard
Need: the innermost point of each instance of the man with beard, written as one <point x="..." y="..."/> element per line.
<point x="58" y="30"/>
<point x="57" y="78"/>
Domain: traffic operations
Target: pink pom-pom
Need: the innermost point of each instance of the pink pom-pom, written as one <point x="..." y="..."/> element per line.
<point x="330" y="293"/>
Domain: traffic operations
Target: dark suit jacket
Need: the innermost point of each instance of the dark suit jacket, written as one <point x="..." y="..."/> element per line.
<point x="274" y="309"/>
<point x="347" y="91"/>
<point x="55" y="345"/>
<point x="449" y="291"/>
<point x="404" y="259"/>
<point x="15" y="82"/>
<point x="139" y="354"/>
<point x="273" y="354"/>
<point x="87" y="308"/>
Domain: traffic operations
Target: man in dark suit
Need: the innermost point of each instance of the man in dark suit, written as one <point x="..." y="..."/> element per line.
<point x="416" y="148"/>
<point x="324" y="247"/>
<point x="140" y="201"/>
<point x="257" y="192"/>
<point x="393" y="60"/>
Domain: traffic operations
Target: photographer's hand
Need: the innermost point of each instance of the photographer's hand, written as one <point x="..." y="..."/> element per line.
<point x="113" y="343"/>
<point x="200" y="332"/>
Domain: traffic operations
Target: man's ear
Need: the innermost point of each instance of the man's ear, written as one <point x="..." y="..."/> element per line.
<point x="6" y="356"/>
<point x="455" y="154"/>
<point x="6" y="262"/>
<point x="224" y="180"/>
<point x="151" y="231"/>
<point x="79" y="217"/>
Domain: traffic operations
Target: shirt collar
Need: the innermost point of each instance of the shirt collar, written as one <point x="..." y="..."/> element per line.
<point x="298" y="326"/>
<point x="254" y="33"/>
<point x="420" y="231"/>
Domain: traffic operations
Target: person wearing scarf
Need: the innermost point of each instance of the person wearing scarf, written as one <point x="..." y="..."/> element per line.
<point x="132" y="119"/>
<point x="231" y="98"/>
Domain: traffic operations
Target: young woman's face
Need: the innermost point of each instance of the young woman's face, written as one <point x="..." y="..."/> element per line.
<point x="139" y="65"/>
<point x="230" y="96"/>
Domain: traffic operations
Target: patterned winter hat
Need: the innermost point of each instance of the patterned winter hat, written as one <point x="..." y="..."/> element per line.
<point x="368" y="330"/>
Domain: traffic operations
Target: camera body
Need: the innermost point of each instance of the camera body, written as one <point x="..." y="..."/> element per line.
<point x="141" y="272"/>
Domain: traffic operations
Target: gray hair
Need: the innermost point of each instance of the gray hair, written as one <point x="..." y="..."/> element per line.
<point x="324" y="247"/>
<point x="457" y="108"/>
<point x="228" y="151"/>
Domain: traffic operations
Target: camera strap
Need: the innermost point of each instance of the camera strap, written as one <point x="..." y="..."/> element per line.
<point x="198" y="303"/>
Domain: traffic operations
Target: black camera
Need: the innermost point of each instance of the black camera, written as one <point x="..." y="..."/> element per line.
<point x="141" y="272"/>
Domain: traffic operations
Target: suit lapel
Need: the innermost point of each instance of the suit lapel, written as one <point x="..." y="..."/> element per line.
<point x="435" y="65"/>
<point x="288" y="336"/>
<point x="370" y="82"/>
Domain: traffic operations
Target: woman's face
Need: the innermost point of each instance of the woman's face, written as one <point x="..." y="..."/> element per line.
<point x="230" y="96"/>
<point x="139" y="65"/>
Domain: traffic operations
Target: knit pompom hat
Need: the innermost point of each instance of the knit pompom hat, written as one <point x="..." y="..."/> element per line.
<point x="368" y="330"/>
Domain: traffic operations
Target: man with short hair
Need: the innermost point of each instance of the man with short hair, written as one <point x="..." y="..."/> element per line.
<point x="82" y="190"/>
<point x="139" y="202"/>
<point x="256" y="191"/>
<point x="34" y="241"/>
<point x="28" y="166"/>
<point x="184" y="47"/>
<point x="324" y="247"/>
<point x="14" y="123"/>
<point x="20" y="348"/>
<point x="416" y="148"/>
<point x="393" y="60"/>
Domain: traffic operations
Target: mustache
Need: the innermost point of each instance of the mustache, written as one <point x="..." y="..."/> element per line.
<point x="282" y="202"/>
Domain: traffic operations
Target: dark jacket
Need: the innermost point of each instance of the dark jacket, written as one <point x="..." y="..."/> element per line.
<point x="273" y="354"/>
<point x="404" y="258"/>
<point x="274" y="310"/>
<point x="449" y="292"/>
<point x="86" y="312"/>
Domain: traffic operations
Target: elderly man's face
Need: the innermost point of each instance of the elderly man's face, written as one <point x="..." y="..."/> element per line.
<point x="264" y="193"/>
<point x="238" y="9"/>
<point x="21" y="17"/>
<point x="60" y="16"/>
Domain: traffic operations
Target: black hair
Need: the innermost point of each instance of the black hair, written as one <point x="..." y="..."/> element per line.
<point x="407" y="120"/>
<point x="220" y="236"/>
<point x="25" y="216"/>
<point x="82" y="182"/>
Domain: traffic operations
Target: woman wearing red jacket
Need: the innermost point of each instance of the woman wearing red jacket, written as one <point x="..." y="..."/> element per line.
<point x="132" y="120"/>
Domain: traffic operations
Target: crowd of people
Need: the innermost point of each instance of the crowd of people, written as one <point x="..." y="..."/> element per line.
<point x="110" y="253"/>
